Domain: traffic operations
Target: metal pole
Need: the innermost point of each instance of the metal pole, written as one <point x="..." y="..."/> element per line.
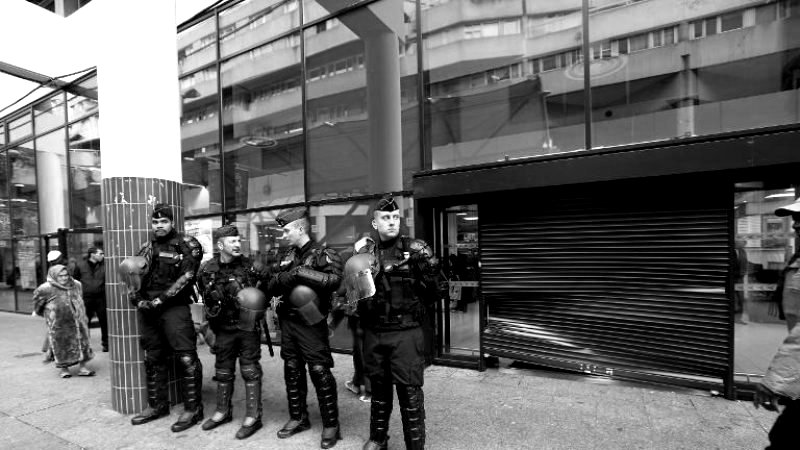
<point x="587" y="78"/>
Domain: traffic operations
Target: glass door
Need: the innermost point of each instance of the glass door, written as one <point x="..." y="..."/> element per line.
<point x="460" y="312"/>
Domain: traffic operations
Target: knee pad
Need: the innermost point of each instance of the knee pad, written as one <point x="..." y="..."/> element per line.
<point x="318" y="370"/>
<point x="293" y="364"/>
<point x="224" y="375"/>
<point x="189" y="362"/>
<point x="251" y="372"/>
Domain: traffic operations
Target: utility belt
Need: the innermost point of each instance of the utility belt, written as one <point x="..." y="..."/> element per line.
<point x="398" y="319"/>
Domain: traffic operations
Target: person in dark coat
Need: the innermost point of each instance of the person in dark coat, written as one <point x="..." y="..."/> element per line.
<point x="92" y="274"/>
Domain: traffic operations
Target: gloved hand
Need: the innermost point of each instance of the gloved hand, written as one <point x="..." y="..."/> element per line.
<point x="149" y="305"/>
<point x="288" y="277"/>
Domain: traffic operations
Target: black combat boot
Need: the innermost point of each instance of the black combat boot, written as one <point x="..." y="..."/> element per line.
<point x="412" y="411"/>
<point x="157" y="401"/>
<point x="325" y="385"/>
<point x="224" y="413"/>
<point x="380" y="412"/>
<point x="192" y="388"/>
<point x="252" y="387"/>
<point x="296" y="390"/>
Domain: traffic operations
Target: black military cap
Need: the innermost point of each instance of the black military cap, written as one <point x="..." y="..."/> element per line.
<point x="290" y="215"/>
<point x="162" y="210"/>
<point x="225" y="231"/>
<point x="387" y="204"/>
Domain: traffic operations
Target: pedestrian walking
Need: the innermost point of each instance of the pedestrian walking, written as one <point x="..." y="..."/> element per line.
<point x="60" y="302"/>
<point x="91" y="272"/>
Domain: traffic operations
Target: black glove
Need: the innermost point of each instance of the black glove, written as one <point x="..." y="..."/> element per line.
<point x="287" y="278"/>
<point x="149" y="305"/>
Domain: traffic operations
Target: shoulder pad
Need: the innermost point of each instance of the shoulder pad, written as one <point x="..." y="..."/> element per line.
<point x="418" y="245"/>
<point x="364" y="244"/>
<point x="208" y="266"/>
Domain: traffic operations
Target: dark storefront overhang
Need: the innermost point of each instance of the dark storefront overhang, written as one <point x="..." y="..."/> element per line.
<point x="774" y="151"/>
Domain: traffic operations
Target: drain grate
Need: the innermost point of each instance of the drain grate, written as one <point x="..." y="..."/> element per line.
<point x="26" y="355"/>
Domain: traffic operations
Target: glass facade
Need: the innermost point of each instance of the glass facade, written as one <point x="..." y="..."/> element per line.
<point x="49" y="183"/>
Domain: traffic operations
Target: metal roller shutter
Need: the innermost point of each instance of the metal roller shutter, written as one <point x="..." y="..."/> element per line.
<point x="605" y="283"/>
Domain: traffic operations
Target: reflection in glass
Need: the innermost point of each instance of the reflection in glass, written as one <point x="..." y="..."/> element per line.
<point x="20" y="128"/>
<point x="84" y="160"/>
<point x="51" y="168"/>
<point x="202" y="189"/>
<point x="202" y="230"/>
<point x="197" y="46"/>
<point x="764" y="243"/>
<point x="361" y="102"/>
<point x="82" y="99"/>
<point x="7" y="278"/>
<point x="49" y="113"/>
<point x="28" y="265"/>
<point x="252" y="22"/>
<point x="262" y="134"/>
<point x="502" y="88"/>
<point x="5" y="219"/>
<point x="2" y="134"/>
<point x="691" y="70"/>
<point x="23" y="196"/>
<point x="316" y="9"/>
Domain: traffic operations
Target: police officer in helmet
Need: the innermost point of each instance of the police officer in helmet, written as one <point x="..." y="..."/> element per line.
<point x="170" y="263"/>
<point x="308" y="275"/>
<point x="404" y="283"/>
<point x="235" y="309"/>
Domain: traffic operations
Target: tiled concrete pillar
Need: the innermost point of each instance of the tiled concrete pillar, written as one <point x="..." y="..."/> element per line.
<point x="138" y="95"/>
<point x="127" y="205"/>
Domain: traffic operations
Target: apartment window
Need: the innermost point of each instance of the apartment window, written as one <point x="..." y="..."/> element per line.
<point x="658" y="38"/>
<point x="511" y="27"/>
<point x="711" y="26"/>
<point x="697" y="29"/>
<point x="731" y="21"/>
<point x="549" y="63"/>
<point x="637" y="43"/>
<point x="490" y="29"/>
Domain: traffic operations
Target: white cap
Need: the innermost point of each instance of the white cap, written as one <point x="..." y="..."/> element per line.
<point x="53" y="255"/>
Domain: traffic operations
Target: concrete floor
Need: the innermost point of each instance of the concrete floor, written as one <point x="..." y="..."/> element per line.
<point x="497" y="409"/>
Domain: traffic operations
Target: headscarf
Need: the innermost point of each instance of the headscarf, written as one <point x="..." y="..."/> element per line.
<point x="52" y="277"/>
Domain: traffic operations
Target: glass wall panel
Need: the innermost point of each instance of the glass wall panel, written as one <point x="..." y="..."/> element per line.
<point x="26" y="272"/>
<point x="49" y="113"/>
<point x="764" y="244"/>
<point x="202" y="185"/>
<point x="7" y="278"/>
<point x="263" y="130"/>
<point x="5" y="204"/>
<point x="315" y="9"/>
<point x="20" y="128"/>
<point x="503" y="81"/>
<point x="661" y="71"/>
<point x="2" y="134"/>
<point x="52" y="190"/>
<point x="84" y="162"/>
<point x="361" y="101"/>
<point x="202" y="229"/>
<point x="82" y="99"/>
<point x="23" y="196"/>
<point x="253" y="22"/>
<point x="197" y="46"/>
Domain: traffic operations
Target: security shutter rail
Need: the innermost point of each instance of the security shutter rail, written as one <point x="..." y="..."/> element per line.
<point x="600" y="280"/>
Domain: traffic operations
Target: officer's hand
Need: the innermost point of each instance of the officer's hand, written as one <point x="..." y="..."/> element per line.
<point x="288" y="277"/>
<point x="134" y="298"/>
<point x="149" y="305"/>
<point x="766" y="398"/>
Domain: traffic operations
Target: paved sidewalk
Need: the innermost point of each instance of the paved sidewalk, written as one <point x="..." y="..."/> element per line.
<point x="496" y="409"/>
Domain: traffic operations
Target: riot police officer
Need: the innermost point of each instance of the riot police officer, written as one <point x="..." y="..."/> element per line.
<point x="165" y="322"/>
<point x="392" y="316"/>
<point x="307" y="276"/>
<point x="235" y="309"/>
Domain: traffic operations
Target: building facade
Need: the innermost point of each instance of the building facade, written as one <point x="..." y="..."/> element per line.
<point x="598" y="176"/>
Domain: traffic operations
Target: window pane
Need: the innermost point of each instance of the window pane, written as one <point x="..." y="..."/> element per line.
<point x="2" y="134"/>
<point x="49" y="113"/>
<point x="202" y="187"/>
<point x="482" y="119"/>
<point x="313" y="9"/>
<point x="5" y="203"/>
<point x="263" y="130"/>
<point x="23" y="197"/>
<point x="82" y="99"/>
<point x="719" y="82"/>
<point x="20" y="128"/>
<point x="250" y="23"/>
<point x="84" y="161"/>
<point x="197" y="46"/>
<point x="51" y="168"/>
<point x="26" y="270"/>
<point x="363" y="124"/>
<point x="202" y="230"/>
